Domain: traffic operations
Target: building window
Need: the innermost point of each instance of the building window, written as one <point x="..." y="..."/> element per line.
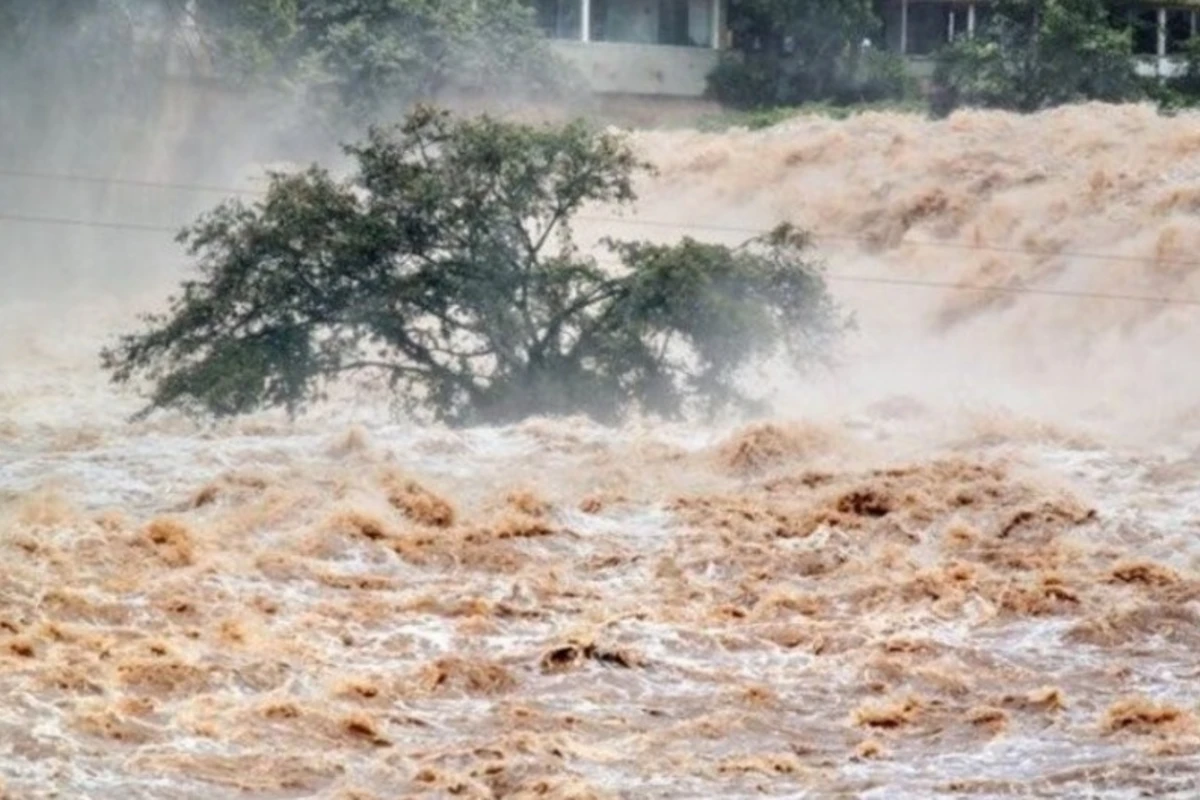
<point x="1179" y="29"/>
<point x="677" y="22"/>
<point x="957" y="22"/>
<point x="559" y="19"/>
<point x="928" y="27"/>
<point x="1145" y="31"/>
<point x="1144" y="22"/>
<point x="983" y="18"/>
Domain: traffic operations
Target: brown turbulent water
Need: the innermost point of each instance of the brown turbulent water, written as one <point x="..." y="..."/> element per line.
<point x="964" y="564"/>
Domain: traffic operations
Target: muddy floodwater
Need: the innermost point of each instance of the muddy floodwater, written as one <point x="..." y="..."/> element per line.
<point x="962" y="564"/>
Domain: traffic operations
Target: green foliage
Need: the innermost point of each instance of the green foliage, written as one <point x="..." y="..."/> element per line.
<point x="743" y="82"/>
<point x="446" y="265"/>
<point x="359" y="59"/>
<point x="248" y="39"/>
<point x="763" y="118"/>
<point x="74" y="63"/>
<point x="796" y="51"/>
<point x="755" y="119"/>
<point x="116" y="30"/>
<point x="1181" y="91"/>
<point x="884" y="78"/>
<point x="1035" y="54"/>
<point x="374" y="56"/>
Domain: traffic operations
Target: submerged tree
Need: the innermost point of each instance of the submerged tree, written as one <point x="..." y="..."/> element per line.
<point x="446" y="264"/>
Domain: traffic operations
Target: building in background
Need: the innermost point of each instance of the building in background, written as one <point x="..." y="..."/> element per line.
<point x="918" y="28"/>
<point x="663" y="48"/>
<point x="666" y="48"/>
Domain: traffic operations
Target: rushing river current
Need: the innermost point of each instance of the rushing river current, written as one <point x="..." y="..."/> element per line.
<point x="963" y="563"/>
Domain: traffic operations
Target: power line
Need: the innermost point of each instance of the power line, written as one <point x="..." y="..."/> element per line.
<point x="86" y="223"/>
<point x="116" y="225"/>
<point x="945" y="245"/>
<point x="832" y="276"/>
<point x="614" y="219"/>
<point x="678" y="226"/>
<point x="865" y="279"/>
<point x="143" y="184"/>
<point x="837" y="277"/>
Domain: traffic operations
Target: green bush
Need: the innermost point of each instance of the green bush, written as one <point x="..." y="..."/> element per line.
<point x="370" y="58"/>
<point x="743" y="83"/>
<point x="790" y="52"/>
<point x="761" y="82"/>
<point x="883" y="76"/>
<point x="1183" y="90"/>
<point x="1035" y="54"/>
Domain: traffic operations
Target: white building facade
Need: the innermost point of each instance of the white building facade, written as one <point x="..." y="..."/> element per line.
<point x="662" y="48"/>
<point x="667" y="48"/>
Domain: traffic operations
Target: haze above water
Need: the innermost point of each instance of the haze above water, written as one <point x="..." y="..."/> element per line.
<point x="961" y="564"/>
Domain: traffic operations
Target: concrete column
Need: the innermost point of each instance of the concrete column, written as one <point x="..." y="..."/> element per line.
<point x="951" y="13"/>
<point x="585" y="20"/>
<point x="971" y="21"/>
<point x="715" y="18"/>
<point x="903" y="27"/>
<point x="1162" y="33"/>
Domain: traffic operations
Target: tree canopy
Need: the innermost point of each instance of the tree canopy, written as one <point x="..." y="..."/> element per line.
<point x="379" y="55"/>
<point x="446" y="265"/>
<point x="794" y="51"/>
<point x="362" y="58"/>
<point x="1039" y="53"/>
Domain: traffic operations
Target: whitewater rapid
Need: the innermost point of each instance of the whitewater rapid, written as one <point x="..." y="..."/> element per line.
<point x="963" y="563"/>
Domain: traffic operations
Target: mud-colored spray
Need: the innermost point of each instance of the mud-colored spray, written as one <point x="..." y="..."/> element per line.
<point x="961" y="564"/>
<point x="1083" y="219"/>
